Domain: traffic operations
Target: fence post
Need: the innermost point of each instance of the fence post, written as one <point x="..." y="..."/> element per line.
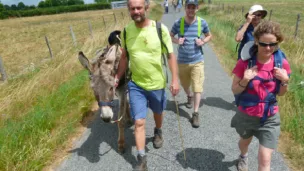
<point x="242" y="10"/>
<point x="270" y="15"/>
<point x="90" y="28"/>
<point x="209" y="2"/>
<point x="115" y="18"/>
<point x="297" y="25"/>
<point x="223" y="8"/>
<point x="48" y="45"/>
<point x="122" y="14"/>
<point x="73" y="36"/>
<point x="2" y="70"/>
<point x="104" y="22"/>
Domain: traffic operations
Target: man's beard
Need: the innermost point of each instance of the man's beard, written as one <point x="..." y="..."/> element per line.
<point x="139" y="18"/>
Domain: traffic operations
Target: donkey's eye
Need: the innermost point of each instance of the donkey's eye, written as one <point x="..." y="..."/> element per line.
<point x="111" y="89"/>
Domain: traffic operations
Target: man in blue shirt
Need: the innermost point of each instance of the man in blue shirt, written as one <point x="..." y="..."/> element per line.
<point x="189" y="31"/>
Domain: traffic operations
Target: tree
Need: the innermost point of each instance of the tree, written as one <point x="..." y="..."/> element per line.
<point x="41" y="4"/>
<point x="31" y="7"/>
<point x="75" y="2"/>
<point x="102" y="1"/>
<point x="1" y="7"/>
<point x="7" y="7"/>
<point x="14" y="7"/>
<point x="21" y="6"/>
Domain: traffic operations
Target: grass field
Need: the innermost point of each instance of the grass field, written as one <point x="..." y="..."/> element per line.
<point x="40" y="107"/>
<point x="224" y="24"/>
<point x="44" y="100"/>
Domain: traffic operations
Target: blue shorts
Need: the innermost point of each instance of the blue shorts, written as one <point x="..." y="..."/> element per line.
<point x="140" y="99"/>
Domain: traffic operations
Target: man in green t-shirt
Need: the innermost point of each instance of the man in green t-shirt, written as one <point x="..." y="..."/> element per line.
<point x="148" y="81"/>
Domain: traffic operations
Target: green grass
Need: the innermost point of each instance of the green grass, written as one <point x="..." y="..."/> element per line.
<point x="29" y="143"/>
<point x="224" y="25"/>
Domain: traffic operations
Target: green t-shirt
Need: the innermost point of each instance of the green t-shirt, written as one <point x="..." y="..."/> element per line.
<point x="144" y="49"/>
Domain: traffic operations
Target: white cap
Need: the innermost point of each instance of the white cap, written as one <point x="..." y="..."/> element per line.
<point x="256" y="8"/>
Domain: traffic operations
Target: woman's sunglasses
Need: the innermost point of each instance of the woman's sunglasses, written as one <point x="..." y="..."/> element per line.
<point x="258" y="15"/>
<point x="268" y="44"/>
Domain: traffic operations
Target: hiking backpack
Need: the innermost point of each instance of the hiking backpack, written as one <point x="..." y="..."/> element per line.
<point x="246" y="99"/>
<point x="182" y="27"/>
<point x="199" y="28"/>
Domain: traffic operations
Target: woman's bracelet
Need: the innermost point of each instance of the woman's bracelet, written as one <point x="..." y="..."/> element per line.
<point x="241" y="85"/>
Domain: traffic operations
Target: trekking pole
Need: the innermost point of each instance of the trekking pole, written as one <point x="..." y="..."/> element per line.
<point x="180" y="130"/>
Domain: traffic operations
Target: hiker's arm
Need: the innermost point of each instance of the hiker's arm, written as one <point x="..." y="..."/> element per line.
<point x="240" y="34"/>
<point x="238" y="85"/>
<point x="122" y="66"/>
<point x="282" y="75"/>
<point x="174" y="87"/>
<point x="174" y="40"/>
<point x="207" y="37"/>
<point x="283" y="90"/>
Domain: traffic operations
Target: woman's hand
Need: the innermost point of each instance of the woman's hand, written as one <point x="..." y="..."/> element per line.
<point x="250" y="73"/>
<point x="280" y="74"/>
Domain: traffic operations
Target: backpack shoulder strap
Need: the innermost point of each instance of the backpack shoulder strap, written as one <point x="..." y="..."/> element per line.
<point x="125" y="42"/>
<point x="252" y="62"/>
<point x="278" y="62"/>
<point x="199" y="26"/>
<point x="278" y="58"/>
<point x="160" y="36"/>
<point x="182" y="27"/>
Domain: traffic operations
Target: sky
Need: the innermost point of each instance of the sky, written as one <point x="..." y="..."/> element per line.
<point x="32" y="2"/>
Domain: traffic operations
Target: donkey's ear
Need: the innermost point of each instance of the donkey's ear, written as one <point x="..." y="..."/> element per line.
<point x="84" y="61"/>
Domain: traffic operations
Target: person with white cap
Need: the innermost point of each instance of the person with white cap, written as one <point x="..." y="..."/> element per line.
<point x="192" y="33"/>
<point x="253" y="18"/>
<point x="260" y="76"/>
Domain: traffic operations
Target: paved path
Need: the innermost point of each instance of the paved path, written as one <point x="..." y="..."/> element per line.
<point x="211" y="147"/>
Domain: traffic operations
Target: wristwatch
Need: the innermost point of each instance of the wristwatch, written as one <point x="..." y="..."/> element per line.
<point x="284" y="84"/>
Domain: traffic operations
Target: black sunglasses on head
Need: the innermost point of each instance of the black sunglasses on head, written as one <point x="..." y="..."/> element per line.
<point x="268" y="44"/>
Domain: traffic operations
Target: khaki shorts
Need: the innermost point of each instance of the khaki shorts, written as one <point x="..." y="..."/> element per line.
<point x="247" y="126"/>
<point x="192" y="74"/>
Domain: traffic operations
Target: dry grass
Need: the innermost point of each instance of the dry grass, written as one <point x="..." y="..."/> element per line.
<point x="30" y="47"/>
<point x="23" y="45"/>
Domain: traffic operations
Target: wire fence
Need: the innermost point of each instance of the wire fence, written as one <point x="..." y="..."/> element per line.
<point x="51" y="41"/>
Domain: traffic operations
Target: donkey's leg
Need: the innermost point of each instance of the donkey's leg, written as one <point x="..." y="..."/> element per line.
<point x="129" y="120"/>
<point x="121" y="123"/>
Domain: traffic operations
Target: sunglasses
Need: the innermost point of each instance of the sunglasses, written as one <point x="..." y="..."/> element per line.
<point x="258" y="15"/>
<point x="268" y="44"/>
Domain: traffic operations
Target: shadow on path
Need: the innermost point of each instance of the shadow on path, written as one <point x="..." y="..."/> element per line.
<point x="218" y="103"/>
<point x="105" y="133"/>
<point x="204" y="160"/>
<point x="209" y="101"/>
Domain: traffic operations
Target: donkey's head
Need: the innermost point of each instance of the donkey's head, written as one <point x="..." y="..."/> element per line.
<point x="102" y="70"/>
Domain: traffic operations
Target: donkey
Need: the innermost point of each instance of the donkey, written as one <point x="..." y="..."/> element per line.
<point x="102" y="70"/>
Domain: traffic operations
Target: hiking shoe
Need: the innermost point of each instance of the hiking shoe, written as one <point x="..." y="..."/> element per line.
<point x="242" y="164"/>
<point x="189" y="102"/>
<point x="141" y="163"/>
<point x="195" y="120"/>
<point x="158" y="138"/>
